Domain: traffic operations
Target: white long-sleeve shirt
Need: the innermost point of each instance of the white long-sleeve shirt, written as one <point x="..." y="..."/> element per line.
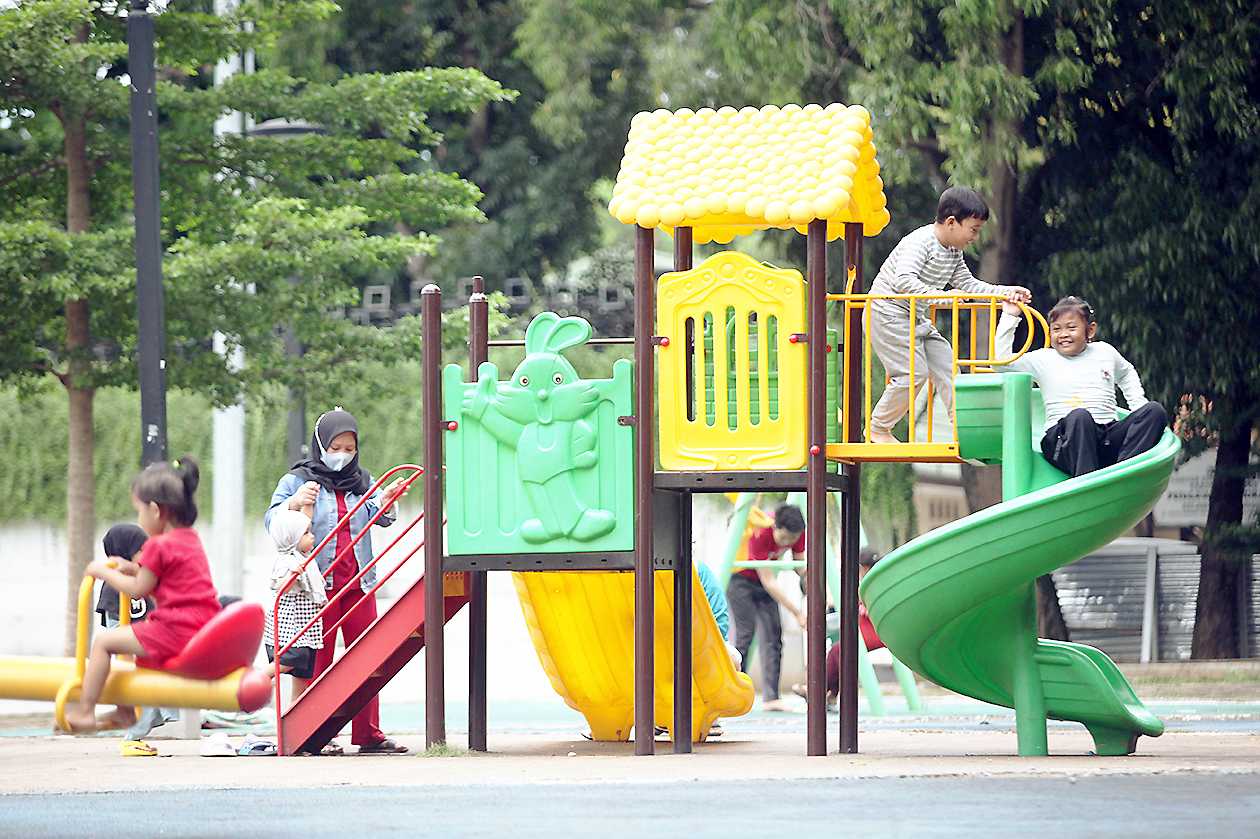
<point x="920" y="264"/>
<point x="1086" y="380"/>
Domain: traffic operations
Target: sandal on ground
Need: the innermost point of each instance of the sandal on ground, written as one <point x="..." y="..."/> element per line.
<point x="385" y="747"/>
<point x="716" y="730"/>
<point x="255" y="746"/>
<point x="137" y="748"/>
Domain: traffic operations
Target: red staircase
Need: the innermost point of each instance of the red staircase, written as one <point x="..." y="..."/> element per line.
<point x="367" y="665"/>
<point x="376" y="656"/>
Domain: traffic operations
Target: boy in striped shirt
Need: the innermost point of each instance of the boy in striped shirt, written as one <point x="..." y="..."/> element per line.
<point x="1078" y="377"/>
<point x="925" y="261"/>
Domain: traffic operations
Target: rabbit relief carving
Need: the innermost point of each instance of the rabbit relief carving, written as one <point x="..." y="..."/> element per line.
<point x="542" y="413"/>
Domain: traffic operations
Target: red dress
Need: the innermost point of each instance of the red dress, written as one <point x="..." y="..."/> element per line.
<point x="185" y="595"/>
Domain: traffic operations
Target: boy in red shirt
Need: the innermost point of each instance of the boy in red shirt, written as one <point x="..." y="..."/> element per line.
<point x="755" y="597"/>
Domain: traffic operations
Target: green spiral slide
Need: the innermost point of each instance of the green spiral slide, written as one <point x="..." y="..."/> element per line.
<point x="958" y="605"/>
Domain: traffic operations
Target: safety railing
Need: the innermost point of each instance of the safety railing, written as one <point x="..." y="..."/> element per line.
<point x="954" y="306"/>
<point x="333" y="597"/>
<point x="83" y="634"/>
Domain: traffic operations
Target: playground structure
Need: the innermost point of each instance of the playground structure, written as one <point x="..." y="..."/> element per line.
<point x="560" y="479"/>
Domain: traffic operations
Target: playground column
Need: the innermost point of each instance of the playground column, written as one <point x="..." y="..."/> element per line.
<point x="1027" y="690"/>
<point x="478" y="596"/>
<point x="644" y="475"/>
<point x="816" y="495"/>
<point x="150" y="296"/>
<point x="431" y="378"/>
<point x="850" y="519"/>
<point x="682" y="571"/>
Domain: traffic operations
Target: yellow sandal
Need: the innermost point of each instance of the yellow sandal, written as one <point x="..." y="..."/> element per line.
<point x="137" y="748"/>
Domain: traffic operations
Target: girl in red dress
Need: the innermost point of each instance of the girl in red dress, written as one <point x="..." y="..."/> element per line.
<point x="172" y="567"/>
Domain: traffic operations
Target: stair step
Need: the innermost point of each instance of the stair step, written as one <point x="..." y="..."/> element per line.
<point x="367" y="665"/>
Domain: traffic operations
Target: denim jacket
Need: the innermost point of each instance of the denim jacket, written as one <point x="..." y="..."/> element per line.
<point x="326" y="519"/>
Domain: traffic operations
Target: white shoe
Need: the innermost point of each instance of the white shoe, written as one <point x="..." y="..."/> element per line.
<point x="217" y="745"/>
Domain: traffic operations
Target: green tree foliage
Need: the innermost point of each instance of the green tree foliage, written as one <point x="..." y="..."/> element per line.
<point x="241" y="215"/>
<point x="537" y="203"/>
<point x="1152" y="219"/>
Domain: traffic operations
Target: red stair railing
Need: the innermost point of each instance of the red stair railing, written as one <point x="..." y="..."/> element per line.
<point x="330" y="632"/>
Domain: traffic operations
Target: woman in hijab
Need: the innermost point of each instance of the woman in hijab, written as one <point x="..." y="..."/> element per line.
<point x="330" y="482"/>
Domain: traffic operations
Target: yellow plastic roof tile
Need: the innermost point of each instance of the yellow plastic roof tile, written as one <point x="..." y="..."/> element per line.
<point x="727" y="172"/>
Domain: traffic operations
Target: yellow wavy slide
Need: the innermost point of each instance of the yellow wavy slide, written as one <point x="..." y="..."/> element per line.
<point x="582" y="624"/>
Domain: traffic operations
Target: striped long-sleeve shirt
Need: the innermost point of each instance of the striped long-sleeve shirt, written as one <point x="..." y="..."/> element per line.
<point x="920" y="264"/>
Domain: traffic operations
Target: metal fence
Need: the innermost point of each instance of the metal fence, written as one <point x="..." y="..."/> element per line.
<point x="1135" y="599"/>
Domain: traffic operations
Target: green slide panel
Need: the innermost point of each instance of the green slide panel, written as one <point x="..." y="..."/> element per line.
<point x="539" y="462"/>
<point x="958" y="606"/>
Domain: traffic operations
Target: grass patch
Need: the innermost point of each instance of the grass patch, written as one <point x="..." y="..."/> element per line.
<point x="445" y="750"/>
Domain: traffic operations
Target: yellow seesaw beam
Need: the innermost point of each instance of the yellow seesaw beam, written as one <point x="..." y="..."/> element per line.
<point x="582" y="625"/>
<point x="39" y="678"/>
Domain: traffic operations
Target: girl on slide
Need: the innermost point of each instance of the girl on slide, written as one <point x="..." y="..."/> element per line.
<point x="172" y="567"/>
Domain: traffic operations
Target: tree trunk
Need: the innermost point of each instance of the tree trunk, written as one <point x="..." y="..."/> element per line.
<point x="1050" y="623"/>
<point x="80" y="475"/>
<point x="1216" y="613"/>
<point x="997" y="262"/>
<point x="982" y="485"/>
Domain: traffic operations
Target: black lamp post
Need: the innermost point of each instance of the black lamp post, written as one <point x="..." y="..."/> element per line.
<point x="150" y="299"/>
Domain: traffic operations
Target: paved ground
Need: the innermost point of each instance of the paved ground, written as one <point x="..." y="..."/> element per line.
<point x="71" y="765"/>
<point x="949" y="772"/>
<point x="1146" y="806"/>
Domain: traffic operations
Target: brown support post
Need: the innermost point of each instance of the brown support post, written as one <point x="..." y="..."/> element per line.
<point x="850" y="519"/>
<point x="434" y="625"/>
<point x="816" y="495"/>
<point x="478" y="597"/>
<point x="644" y="472"/>
<point x="682" y="570"/>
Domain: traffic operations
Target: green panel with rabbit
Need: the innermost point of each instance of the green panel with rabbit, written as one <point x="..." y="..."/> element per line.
<point x="539" y="463"/>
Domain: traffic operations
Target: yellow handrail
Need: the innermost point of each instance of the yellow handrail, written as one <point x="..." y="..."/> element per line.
<point x="83" y="631"/>
<point x="956" y="302"/>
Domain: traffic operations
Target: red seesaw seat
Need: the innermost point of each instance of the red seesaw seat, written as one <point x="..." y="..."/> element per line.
<point x="227" y="643"/>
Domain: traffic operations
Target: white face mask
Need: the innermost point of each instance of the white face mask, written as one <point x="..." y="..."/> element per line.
<point x="336" y="461"/>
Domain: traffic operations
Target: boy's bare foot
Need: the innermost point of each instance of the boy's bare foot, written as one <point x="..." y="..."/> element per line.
<point x="881" y="437"/>
<point x="120" y="717"/>
<point x="774" y="705"/>
<point x="79" y="721"/>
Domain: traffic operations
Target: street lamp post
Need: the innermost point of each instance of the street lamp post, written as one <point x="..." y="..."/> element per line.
<point x="150" y="299"/>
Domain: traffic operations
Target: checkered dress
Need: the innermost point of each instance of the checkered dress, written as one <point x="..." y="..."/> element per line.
<point x="296" y="610"/>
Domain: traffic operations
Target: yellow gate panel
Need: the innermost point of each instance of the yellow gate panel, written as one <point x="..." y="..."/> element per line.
<point x="731" y="382"/>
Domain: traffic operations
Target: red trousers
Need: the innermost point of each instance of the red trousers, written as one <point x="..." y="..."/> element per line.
<point x="867" y="628"/>
<point x="366" y="728"/>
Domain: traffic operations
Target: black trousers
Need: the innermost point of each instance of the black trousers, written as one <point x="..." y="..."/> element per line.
<point x="756" y="612"/>
<point x="1078" y="445"/>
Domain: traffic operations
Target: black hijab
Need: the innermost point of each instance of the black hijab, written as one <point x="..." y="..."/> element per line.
<point x="121" y="540"/>
<point x="349" y="478"/>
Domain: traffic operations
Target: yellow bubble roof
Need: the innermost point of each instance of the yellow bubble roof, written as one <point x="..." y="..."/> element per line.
<point x="729" y="172"/>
